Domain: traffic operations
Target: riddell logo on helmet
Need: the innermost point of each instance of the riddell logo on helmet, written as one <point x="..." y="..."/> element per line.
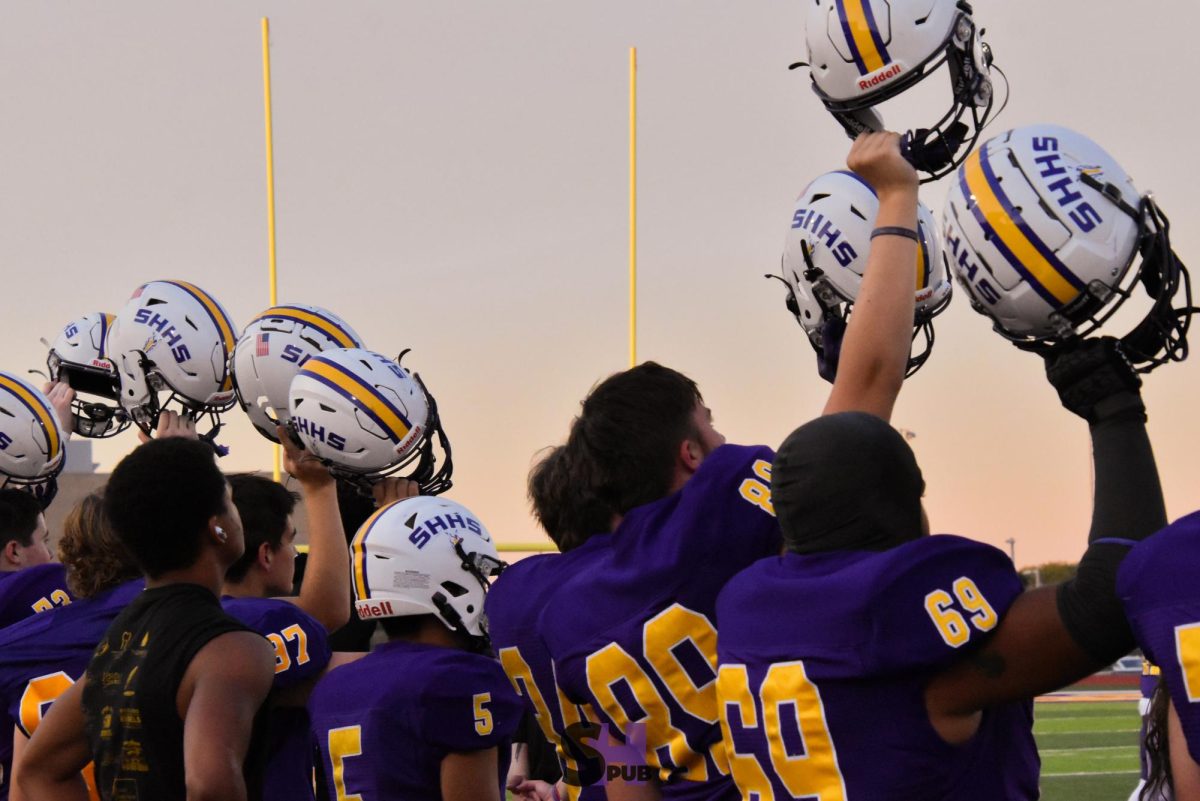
<point x="883" y="77"/>
<point x="367" y="609"/>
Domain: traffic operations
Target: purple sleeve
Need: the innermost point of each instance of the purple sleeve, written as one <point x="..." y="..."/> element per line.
<point x="33" y="590"/>
<point x="470" y="706"/>
<point x="726" y="507"/>
<point x="943" y="596"/>
<point x="301" y="644"/>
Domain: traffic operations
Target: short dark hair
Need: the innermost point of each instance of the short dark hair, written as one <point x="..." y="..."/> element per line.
<point x="619" y="454"/>
<point x="18" y="517"/>
<point x="264" y="506"/>
<point x="159" y="500"/>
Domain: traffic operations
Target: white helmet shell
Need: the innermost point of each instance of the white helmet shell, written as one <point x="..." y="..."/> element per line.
<point x="1039" y="250"/>
<point x="825" y="254"/>
<point x="864" y="52"/>
<point x="77" y="358"/>
<point x="408" y="559"/>
<point x="32" y="445"/>
<point x="273" y="348"/>
<point x="172" y="335"/>
<point x="358" y="410"/>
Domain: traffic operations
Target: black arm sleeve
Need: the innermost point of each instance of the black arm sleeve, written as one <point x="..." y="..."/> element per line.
<point x="1128" y="505"/>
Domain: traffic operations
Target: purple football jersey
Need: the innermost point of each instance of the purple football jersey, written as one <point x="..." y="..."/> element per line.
<point x="42" y="656"/>
<point x="383" y="724"/>
<point x="32" y="590"/>
<point x="633" y="632"/>
<point x="513" y="605"/>
<point x="824" y="662"/>
<point x="1157" y="584"/>
<point x="301" y="653"/>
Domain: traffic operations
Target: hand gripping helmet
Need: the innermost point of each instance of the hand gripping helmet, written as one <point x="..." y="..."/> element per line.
<point x="367" y="417"/>
<point x="864" y="52"/>
<point x="1042" y="228"/>
<point x="32" y="445"/>
<point x="77" y="359"/>
<point x="425" y="556"/>
<point x="173" y="336"/>
<point x="826" y="254"/>
<point x="273" y="348"/>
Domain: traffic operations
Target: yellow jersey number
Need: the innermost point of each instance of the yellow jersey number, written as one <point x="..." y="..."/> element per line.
<point x="786" y="691"/>
<point x="950" y="622"/>
<point x="283" y="659"/>
<point x="56" y="598"/>
<point x="36" y="699"/>
<point x="758" y="490"/>
<point x="662" y="635"/>
<point x="343" y="742"/>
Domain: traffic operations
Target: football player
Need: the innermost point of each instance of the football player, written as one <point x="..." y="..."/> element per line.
<point x="1157" y="585"/>
<point x="426" y="716"/>
<point x="167" y="706"/>
<point x="298" y="639"/>
<point x="33" y="434"/>
<point x="631" y="627"/>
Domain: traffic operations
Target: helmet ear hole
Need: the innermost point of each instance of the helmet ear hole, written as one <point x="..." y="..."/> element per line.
<point x="456" y="590"/>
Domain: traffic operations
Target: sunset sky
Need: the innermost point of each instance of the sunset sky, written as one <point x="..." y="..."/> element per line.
<point x="452" y="178"/>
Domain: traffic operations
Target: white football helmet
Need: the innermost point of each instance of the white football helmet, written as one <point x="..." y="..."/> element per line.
<point x="1042" y="227"/>
<point x="367" y="417"/>
<point x="77" y="359"/>
<point x="173" y="336"/>
<point x="32" y="443"/>
<point x="825" y="256"/>
<point x="864" y="52"/>
<point x="424" y="556"/>
<point x="273" y="348"/>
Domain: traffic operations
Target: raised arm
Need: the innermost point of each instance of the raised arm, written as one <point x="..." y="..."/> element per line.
<point x="225" y="685"/>
<point x="1053" y="636"/>
<point x="325" y="591"/>
<point x="50" y="764"/>
<point x="874" y="354"/>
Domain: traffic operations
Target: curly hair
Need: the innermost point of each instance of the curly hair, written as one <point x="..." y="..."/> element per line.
<point x="1157" y="745"/>
<point x="95" y="559"/>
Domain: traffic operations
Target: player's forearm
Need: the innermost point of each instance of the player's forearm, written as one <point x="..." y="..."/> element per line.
<point x="226" y="785"/>
<point x="1128" y="498"/>
<point x="325" y="593"/>
<point x="878" y="339"/>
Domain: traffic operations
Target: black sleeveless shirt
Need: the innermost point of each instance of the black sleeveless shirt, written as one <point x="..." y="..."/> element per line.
<point x="133" y="726"/>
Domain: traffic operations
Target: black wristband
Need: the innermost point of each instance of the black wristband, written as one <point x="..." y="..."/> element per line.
<point x="895" y="230"/>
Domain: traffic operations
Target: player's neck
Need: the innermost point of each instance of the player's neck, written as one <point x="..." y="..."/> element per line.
<point x="431" y="632"/>
<point x="247" y="588"/>
<point x="206" y="571"/>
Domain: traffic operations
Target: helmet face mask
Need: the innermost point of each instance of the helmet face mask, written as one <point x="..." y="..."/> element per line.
<point x="368" y="418"/>
<point x="862" y="53"/>
<point x="272" y="350"/>
<point x="32" y="445"/>
<point x="77" y="358"/>
<point x="1044" y="231"/>
<point x="173" y="337"/>
<point x="825" y="257"/>
<point x="425" y="556"/>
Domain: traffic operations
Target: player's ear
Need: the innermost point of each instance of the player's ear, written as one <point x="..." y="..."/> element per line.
<point x="11" y="553"/>
<point x="691" y="454"/>
<point x="266" y="555"/>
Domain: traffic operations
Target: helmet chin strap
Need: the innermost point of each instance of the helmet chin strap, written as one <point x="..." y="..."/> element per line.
<point x="933" y="150"/>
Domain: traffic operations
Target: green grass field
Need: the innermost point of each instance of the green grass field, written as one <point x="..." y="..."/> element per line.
<point x="1089" y="750"/>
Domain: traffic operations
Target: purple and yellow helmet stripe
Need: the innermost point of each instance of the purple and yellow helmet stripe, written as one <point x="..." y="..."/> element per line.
<point x="370" y="401"/>
<point x="862" y="35"/>
<point x="219" y="319"/>
<point x="1020" y="245"/>
<point x="328" y="327"/>
<point x="358" y="554"/>
<point x="36" y="403"/>
<point x="106" y="321"/>
<point x="924" y="268"/>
